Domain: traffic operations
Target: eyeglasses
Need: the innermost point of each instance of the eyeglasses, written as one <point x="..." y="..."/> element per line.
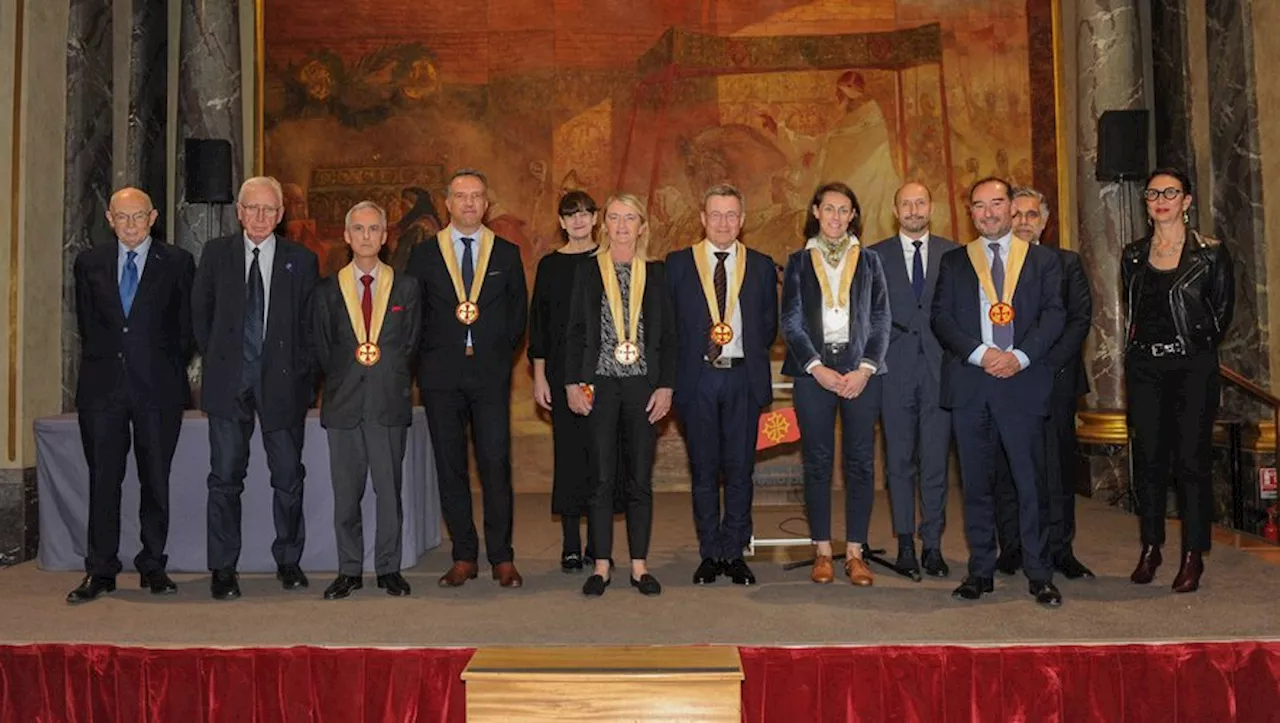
<point x="137" y="219"/>
<point x="717" y="216"/>
<point x="259" y="211"/>
<point x="1169" y="193"/>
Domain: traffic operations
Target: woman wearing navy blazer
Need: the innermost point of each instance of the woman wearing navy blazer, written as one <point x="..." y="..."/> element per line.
<point x="835" y="320"/>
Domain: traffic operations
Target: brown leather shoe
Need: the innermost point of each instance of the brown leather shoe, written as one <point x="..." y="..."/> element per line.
<point x="823" y="570"/>
<point x="457" y="575"/>
<point x="1188" y="579"/>
<point x="507" y="575"/>
<point x="858" y="572"/>
<point x="1148" y="562"/>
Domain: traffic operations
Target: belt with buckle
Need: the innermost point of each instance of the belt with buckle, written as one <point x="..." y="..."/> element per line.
<point x="1164" y="349"/>
<point x="835" y="349"/>
<point x="726" y="362"/>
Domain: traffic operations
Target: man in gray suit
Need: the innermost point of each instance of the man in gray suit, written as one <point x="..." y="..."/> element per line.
<point x="917" y="431"/>
<point x="365" y="322"/>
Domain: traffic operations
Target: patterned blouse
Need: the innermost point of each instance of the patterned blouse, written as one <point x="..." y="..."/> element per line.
<point x="606" y="364"/>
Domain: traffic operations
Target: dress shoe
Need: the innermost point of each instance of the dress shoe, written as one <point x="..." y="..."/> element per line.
<point x="158" y="583"/>
<point x="738" y="572"/>
<point x="1073" y="569"/>
<point x="291" y="577"/>
<point x="858" y="572"/>
<point x="934" y="564"/>
<point x="225" y="585"/>
<point x="707" y="572"/>
<point x="907" y="561"/>
<point x="570" y="562"/>
<point x="343" y="586"/>
<point x="91" y="588"/>
<point x="823" y="569"/>
<point x="507" y="575"/>
<point x="595" y="585"/>
<point x="647" y="585"/>
<point x="1188" y="579"/>
<point x="972" y="588"/>
<point x="394" y="583"/>
<point x="1046" y="594"/>
<point x="1148" y="562"/>
<point x="1008" y="562"/>
<point x="457" y="575"/>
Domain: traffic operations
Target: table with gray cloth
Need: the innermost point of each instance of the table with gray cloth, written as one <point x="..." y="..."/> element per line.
<point x="62" y="480"/>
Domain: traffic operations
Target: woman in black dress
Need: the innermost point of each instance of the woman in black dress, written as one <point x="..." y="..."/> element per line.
<point x="548" y="321"/>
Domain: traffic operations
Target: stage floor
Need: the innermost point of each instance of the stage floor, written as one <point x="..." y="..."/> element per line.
<point x="1236" y="601"/>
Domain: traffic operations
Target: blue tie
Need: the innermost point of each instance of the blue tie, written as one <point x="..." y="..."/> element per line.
<point x="917" y="272"/>
<point x="468" y="267"/>
<point x="129" y="281"/>
<point x="1001" y="334"/>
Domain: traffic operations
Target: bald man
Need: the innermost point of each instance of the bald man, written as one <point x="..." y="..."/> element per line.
<point x="917" y="432"/>
<point x="133" y="312"/>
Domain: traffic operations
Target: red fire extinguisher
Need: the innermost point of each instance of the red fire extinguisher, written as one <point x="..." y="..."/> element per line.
<point x="1270" y="530"/>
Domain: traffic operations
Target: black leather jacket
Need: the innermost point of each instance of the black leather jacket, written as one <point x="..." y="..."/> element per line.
<point x="1203" y="295"/>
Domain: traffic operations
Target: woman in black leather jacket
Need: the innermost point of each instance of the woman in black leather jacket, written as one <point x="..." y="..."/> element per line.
<point x="1180" y="291"/>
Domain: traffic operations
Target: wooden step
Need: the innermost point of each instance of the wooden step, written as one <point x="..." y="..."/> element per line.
<point x="604" y="684"/>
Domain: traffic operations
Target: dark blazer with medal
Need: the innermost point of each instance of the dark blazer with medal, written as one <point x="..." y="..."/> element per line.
<point x="582" y="340"/>
<point x="354" y="392"/>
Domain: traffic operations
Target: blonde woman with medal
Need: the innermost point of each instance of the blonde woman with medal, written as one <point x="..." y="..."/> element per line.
<point x="620" y="370"/>
<point x="997" y="312"/>
<point x="365" y="322"/>
<point x="474" y="308"/>
<point x="836" y="323"/>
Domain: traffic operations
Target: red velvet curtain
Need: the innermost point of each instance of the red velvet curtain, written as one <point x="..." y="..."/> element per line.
<point x="1190" y="683"/>
<point x="97" y="683"/>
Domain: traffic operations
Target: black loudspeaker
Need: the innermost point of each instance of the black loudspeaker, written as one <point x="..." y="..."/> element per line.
<point x="208" y="171"/>
<point x="1122" y="145"/>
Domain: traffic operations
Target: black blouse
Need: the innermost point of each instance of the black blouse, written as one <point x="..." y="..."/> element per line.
<point x="549" y="315"/>
<point x="1153" y="321"/>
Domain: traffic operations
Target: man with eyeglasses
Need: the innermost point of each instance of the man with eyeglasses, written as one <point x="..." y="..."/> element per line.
<point x="725" y="297"/>
<point x="250" y="314"/>
<point x="133" y="312"/>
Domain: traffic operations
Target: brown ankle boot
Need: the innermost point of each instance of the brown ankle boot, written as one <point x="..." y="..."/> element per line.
<point x="1148" y="562"/>
<point x="1188" y="579"/>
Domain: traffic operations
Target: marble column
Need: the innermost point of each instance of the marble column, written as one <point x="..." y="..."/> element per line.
<point x="1170" y="72"/>
<point x="1110" y="70"/>
<point x="145" y="164"/>
<point x="209" y="106"/>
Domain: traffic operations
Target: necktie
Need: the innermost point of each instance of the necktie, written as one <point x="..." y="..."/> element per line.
<point x="721" y="279"/>
<point x="468" y="266"/>
<point x="366" y="305"/>
<point x="129" y="281"/>
<point x="917" y="271"/>
<point x="1001" y="334"/>
<point x="253" y="309"/>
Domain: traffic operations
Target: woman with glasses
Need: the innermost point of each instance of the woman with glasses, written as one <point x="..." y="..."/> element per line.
<point x="1180" y="290"/>
<point x="620" y="371"/>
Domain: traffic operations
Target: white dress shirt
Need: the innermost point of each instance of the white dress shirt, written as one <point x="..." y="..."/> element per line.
<point x="984" y="304"/>
<point x="266" y="258"/>
<point x="732" y="350"/>
<point x="140" y="260"/>
<point x="909" y="253"/>
<point x="835" y="321"/>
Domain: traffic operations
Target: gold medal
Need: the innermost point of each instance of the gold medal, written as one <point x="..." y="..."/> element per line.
<point x="1001" y="314"/>
<point x="626" y="353"/>
<point x="467" y="312"/>
<point x="368" y="353"/>
<point x="721" y="333"/>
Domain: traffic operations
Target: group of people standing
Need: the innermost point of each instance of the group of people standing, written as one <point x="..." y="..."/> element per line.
<point x="980" y="344"/>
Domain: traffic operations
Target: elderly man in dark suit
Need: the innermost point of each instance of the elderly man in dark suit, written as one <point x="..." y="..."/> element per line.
<point x="365" y="322"/>
<point x="917" y="430"/>
<point x="997" y="312"/>
<point x="249" y="309"/>
<point x="1030" y="214"/>
<point x="133" y="312"/>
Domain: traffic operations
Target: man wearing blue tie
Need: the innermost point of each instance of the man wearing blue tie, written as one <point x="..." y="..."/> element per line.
<point x="997" y="311"/>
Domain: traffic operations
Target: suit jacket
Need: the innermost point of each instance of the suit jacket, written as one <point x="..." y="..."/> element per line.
<point x="1038" y="320"/>
<point x="910" y="332"/>
<point x="802" y="314"/>
<point x="1064" y="357"/>
<point x="758" y="300"/>
<point x="495" y="335"/>
<point x="217" y="303"/>
<point x="354" y="392"/>
<point x="144" y="355"/>
<point x="582" y="340"/>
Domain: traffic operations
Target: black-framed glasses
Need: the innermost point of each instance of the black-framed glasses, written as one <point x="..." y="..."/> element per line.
<point x="1169" y="193"/>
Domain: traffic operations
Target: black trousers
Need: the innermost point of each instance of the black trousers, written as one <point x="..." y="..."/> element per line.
<point x="485" y="406"/>
<point x="106" y="436"/>
<point x="619" y="408"/>
<point x="1059" y="460"/>
<point x="228" y="465"/>
<point x="1172" y="404"/>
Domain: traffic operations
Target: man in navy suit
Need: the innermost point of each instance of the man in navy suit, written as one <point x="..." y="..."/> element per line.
<point x="133" y="312"/>
<point x="917" y="431"/>
<point x="997" y="311"/>
<point x="725" y="297"/>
